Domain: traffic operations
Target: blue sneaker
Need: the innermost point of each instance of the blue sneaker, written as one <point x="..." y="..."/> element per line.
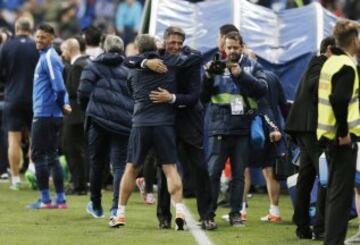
<point x="39" y="205"/>
<point x="112" y="213"/>
<point x="96" y="213"/>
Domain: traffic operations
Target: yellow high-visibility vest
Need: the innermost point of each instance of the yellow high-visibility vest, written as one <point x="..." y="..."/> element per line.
<point x="326" y="120"/>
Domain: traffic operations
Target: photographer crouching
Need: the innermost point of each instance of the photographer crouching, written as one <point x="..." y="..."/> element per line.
<point x="231" y="87"/>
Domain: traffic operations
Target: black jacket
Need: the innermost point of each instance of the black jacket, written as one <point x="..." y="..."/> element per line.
<point x="251" y="83"/>
<point x="103" y="92"/>
<point x="303" y="113"/>
<point x="72" y="81"/>
<point x="18" y="59"/>
<point x="189" y="110"/>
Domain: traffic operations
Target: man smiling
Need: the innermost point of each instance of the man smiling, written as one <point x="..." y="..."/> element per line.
<point x="49" y="103"/>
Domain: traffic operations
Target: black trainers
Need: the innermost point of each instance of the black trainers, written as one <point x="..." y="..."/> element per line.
<point x="180" y="222"/>
<point x="235" y="219"/>
<point x="318" y="236"/>
<point x="304" y="233"/>
<point x="164" y="225"/>
<point x="208" y="225"/>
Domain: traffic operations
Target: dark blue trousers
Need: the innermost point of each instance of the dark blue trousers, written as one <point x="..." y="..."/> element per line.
<point x="45" y="139"/>
<point x="102" y="146"/>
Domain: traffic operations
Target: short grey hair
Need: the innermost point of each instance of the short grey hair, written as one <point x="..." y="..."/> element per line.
<point x="113" y="43"/>
<point x="145" y="43"/>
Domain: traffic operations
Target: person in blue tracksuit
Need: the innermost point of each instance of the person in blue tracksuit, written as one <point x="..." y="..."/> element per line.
<point x="50" y="102"/>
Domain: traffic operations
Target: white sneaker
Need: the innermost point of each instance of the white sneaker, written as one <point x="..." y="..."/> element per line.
<point x="4" y="176"/>
<point x="150" y="199"/>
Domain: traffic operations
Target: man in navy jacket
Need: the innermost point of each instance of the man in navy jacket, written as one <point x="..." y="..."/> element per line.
<point x="104" y="95"/>
<point x="18" y="59"/>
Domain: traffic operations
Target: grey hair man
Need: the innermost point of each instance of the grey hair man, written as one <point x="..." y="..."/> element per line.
<point x="104" y="97"/>
<point x="113" y="43"/>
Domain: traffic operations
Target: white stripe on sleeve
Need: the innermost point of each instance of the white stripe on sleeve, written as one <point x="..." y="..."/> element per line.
<point x="48" y="61"/>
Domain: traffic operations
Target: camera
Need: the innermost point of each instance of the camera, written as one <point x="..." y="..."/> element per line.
<point x="217" y="66"/>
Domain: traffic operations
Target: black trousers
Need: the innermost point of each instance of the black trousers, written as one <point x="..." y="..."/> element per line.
<point x="193" y="158"/>
<point x="45" y="141"/>
<point x="309" y="168"/>
<point x="102" y="146"/>
<point x="342" y="164"/>
<point x="73" y="142"/>
<point x="149" y="171"/>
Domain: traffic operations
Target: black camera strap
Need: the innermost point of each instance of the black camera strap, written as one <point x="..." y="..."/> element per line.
<point x="249" y="110"/>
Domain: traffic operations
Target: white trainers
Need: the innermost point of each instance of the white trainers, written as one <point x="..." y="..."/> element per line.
<point x="140" y="183"/>
<point x="150" y="199"/>
<point x="4" y="176"/>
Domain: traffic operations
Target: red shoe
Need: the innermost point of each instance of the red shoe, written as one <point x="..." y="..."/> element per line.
<point x="271" y="218"/>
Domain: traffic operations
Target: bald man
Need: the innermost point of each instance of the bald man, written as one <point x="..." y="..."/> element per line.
<point x="73" y="139"/>
<point x="18" y="59"/>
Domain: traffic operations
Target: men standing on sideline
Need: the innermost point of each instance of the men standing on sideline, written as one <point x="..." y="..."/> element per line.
<point x="73" y="138"/>
<point x="339" y="127"/>
<point x="301" y="125"/>
<point x="50" y="101"/>
<point x="189" y="131"/>
<point x="18" y="59"/>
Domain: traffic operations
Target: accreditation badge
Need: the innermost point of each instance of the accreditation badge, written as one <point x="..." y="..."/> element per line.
<point x="237" y="105"/>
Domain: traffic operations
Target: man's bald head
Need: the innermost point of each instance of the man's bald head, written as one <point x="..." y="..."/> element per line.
<point x="70" y="48"/>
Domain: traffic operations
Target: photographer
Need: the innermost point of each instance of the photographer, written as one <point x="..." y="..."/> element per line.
<point x="228" y="83"/>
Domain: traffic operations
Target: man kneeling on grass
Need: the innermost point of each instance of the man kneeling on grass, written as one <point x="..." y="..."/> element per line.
<point x="153" y="126"/>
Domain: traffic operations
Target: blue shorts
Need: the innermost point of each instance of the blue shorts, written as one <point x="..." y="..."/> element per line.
<point x="357" y="179"/>
<point x="161" y="138"/>
<point x="17" y="116"/>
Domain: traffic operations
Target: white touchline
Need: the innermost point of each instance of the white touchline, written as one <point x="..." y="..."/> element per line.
<point x="196" y="231"/>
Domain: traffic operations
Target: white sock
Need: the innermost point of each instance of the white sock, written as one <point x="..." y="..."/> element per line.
<point x="31" y="167"/>
<point x="180" y="208"/>
<point x="243" y="209"/>
<point x="274" y="210"/>
<point x="120" y="210"/>
<point x="15" y="180"/>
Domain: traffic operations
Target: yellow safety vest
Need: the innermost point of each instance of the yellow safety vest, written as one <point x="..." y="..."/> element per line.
<point x="326" y="119"/>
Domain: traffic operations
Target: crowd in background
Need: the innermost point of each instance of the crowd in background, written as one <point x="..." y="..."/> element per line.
<point x="117" y="16"/>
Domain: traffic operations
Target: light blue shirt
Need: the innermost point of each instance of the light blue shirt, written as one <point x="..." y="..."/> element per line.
<point x="49" y="93"/>
<point x="128" y="16"/>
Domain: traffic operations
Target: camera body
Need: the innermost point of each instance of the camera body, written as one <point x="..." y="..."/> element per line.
<point x="218" y="66"/>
